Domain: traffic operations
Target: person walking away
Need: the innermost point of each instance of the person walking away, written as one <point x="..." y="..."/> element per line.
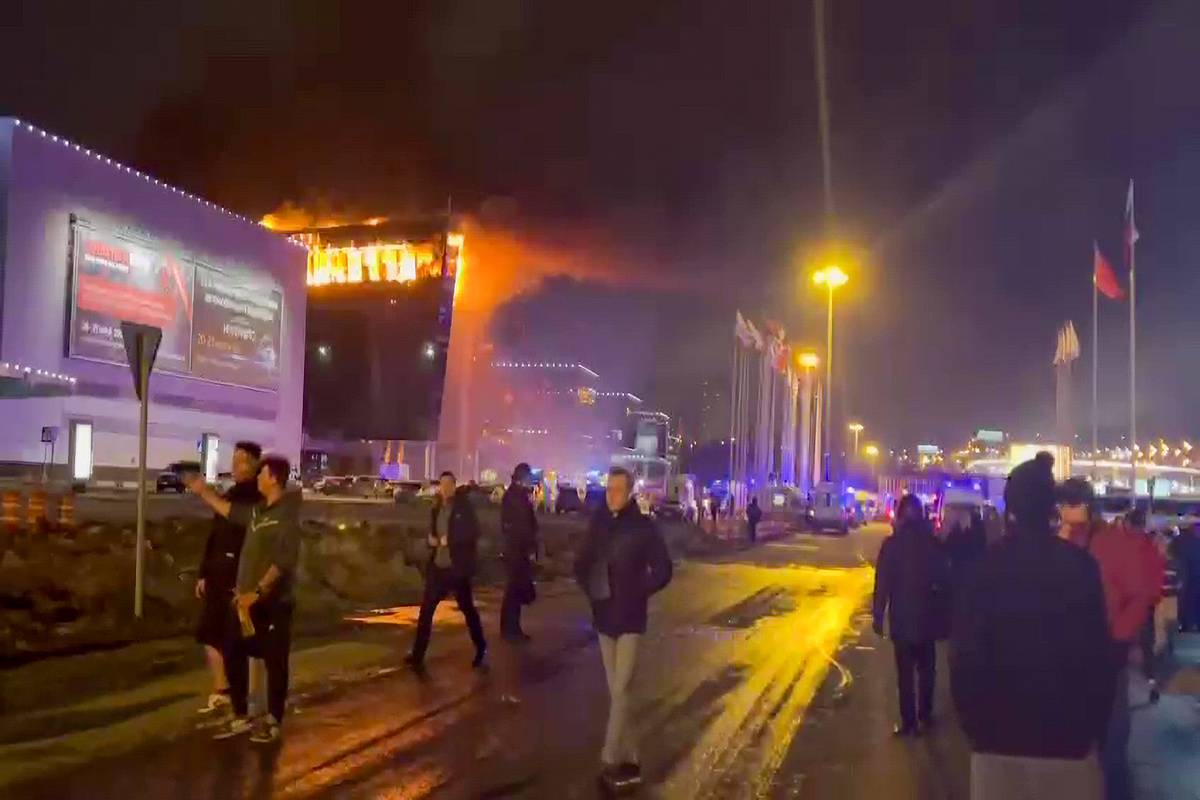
<point x="1154" y="563"/>
<point x="965" y="545"/>
<point x="519" y="527"/>
<point x="264" y="596"/>
<point x="753" y="517"/>
<point x="1186" y="551"/>
<point x="623" y="561"/>
<point x="218" y="574"/>
<point x="453" y="542"/>
<point x="912" y="592"/>
<point x="1129" y="600"/>
<point x="1030" y="665"/>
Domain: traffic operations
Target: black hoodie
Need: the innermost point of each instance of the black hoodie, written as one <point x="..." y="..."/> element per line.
<point x="1031" y="669"/>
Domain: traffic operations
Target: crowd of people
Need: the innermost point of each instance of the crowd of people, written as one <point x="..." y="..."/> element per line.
<point x="247" y="576"/>
<point x="1043" y="625"/>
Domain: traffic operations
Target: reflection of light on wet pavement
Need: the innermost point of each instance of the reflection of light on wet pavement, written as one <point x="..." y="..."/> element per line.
<point x="782" y="659"/>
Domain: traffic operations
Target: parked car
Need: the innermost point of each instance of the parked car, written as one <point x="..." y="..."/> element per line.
<point x="407" y="491"/>
<point x="171" y="478"/>
<point x="567" y="501"/>
<point x="367" y="486"/>
<point x="669" y="511"/>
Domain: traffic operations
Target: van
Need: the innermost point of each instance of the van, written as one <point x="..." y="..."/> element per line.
<point x="828" y="511"/>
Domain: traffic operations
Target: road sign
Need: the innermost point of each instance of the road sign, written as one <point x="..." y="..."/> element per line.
<point x="141" y="346"/>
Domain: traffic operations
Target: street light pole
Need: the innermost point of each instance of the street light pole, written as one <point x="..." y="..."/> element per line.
<point x="855" y="428"/>
<point x="828" y="378"/>
<point x="831" y="278"/>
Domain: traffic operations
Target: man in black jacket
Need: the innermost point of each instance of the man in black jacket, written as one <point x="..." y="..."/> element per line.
<point x="453" y="539"/>
<point x="912" y="587"/>
<point x="518" y="524"/>
<point x="1031" y="671"/>
<point x="218" y="573"/>
<point x="623" y="561"/>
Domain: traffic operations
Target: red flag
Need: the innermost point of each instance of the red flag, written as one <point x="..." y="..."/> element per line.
<point x="1104" y="276"/>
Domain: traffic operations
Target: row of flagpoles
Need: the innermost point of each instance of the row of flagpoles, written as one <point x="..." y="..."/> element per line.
<point x="773" y="421"/>
<point x="1105" y="282"/>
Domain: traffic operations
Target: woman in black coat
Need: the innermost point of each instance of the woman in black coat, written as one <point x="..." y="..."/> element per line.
<point x="622" y="562"/>
<point x="912" y="589"/>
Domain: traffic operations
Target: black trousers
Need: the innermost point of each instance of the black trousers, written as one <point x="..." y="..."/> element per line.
<point x="520" y="576"/>
<point x="439" y="583"/>
<point x="752" y="529"/>
<point x="272" y="642"/>
<point x="915" y="660"/>
<point x="1189" y="604"/>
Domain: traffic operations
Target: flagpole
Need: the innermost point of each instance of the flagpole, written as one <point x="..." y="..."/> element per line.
<point x="733" y="397"/>
<point x="1095" y="364"/>
<point x="1131" y="236"/>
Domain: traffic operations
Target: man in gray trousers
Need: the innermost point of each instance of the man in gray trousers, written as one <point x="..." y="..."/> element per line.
<point x="622" y="562"/>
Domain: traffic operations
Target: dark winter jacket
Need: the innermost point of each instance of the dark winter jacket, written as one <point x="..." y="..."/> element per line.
<point x="753" y="514"/>
<point x="518" y="524"/>
<point x="965" y="546"/>
<point x="622" y="562"/>
<point x="463" y="536"/>
<point x="1031" y="667"/>
<point x="912" y="585"/>
<point x="219" y="567"/>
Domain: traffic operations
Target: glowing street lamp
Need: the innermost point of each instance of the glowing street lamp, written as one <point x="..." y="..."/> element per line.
<point x="871" y="451"/>
<point x="808" y="360"/>
<point x="856" y="428"/>
<point x="831" y="277"/>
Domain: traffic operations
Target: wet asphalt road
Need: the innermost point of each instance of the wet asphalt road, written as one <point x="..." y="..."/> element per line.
<point x="739" y="694"/>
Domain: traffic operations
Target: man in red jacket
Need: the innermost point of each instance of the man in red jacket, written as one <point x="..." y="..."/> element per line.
<point x="1129" y="599"/>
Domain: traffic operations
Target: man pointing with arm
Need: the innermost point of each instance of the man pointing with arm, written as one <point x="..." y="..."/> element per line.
<point x="263" y="596"/>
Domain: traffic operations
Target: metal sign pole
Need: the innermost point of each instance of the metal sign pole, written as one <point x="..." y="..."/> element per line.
<point x="143" y="423"/>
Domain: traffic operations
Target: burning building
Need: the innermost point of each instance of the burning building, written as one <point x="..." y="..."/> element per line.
<point x="380" y="307"/>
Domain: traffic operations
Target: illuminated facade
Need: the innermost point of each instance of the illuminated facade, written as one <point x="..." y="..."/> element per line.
<point x="88" y="243"/>
<point x="380" y="311"/>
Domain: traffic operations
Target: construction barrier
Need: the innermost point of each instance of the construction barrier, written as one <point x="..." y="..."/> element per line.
<point x="10" y="509"/>
<point x="35" y="513"/>
<point x="66" y="511"/>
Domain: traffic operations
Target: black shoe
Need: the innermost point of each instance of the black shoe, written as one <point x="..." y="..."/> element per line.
<point x="417" y="665"/>
<point x="904" y="730"/>
<point x="480" y="658"/>
<point x="628" y="772"/>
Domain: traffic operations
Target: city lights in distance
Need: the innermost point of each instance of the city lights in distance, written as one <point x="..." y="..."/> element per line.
<point x="430" y="351"/>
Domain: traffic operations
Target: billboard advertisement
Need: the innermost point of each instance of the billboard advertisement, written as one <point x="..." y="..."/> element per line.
<point x="236" y="327"/>
<point x="217" y="325"/>
<point x="118" y="278"/>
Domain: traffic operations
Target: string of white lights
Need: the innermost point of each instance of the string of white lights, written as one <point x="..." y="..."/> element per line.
<point x="118" y="166"/>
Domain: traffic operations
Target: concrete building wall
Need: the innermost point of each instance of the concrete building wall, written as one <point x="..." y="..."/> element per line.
<point x="43" y="183"/>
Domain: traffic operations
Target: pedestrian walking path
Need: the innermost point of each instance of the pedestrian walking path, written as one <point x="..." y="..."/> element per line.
<point x="1165" y="744"/>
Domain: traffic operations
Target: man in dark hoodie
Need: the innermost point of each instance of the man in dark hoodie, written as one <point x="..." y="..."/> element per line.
<point x="912" y="589"/>
<point x="519" y="526"/>
<point x="1031" y="672"/>
<point x="623" y="561"/>
<point x="218" y="573"/>
<point x="264" y="596"/>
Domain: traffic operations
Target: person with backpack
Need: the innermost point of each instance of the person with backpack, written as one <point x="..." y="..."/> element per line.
<point x="912" y="586"/>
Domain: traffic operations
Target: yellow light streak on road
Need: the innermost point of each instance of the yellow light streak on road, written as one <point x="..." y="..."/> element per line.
<point x="783" y="658"/>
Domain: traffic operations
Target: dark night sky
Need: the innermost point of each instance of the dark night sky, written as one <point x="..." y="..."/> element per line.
<point x="979" y="148"/>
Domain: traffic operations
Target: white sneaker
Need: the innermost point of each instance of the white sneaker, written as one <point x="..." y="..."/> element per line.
<point x="237" y="726"/>
<point x="266" y="730"/>
<point x="216" y="703"/>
